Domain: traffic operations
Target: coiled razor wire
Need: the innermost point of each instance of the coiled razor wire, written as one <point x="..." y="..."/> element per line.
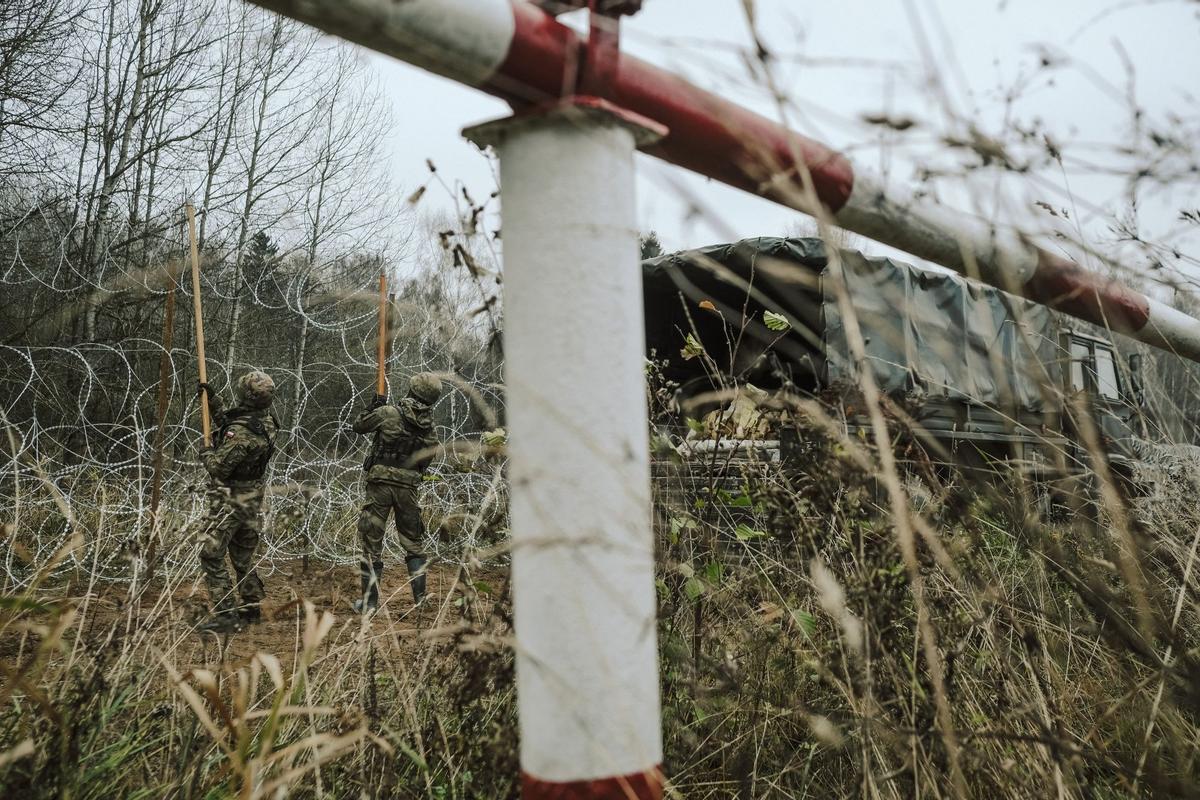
<point x="63" y="474"/>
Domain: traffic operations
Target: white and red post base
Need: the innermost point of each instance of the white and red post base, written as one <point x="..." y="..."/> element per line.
<point x="583" y="553"/>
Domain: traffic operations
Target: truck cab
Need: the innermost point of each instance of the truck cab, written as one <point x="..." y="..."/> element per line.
<point x="1112" y="396"/>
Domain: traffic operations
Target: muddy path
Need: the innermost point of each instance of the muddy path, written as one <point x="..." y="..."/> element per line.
<point x="158" y="623"/>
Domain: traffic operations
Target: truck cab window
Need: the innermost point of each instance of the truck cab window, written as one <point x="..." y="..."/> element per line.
<point x="1081" y="354"/>
<point x="1106" y="374"/>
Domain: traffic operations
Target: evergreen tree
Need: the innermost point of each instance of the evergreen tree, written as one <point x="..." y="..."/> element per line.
<point x="650" y="245"/>
<point x="259" y="262"/>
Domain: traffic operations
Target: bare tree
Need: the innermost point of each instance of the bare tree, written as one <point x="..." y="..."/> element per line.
<point x="36" y="73"/>
<point x="346" y="201"/>
<point x="145" y="67"/>
<point x="230" y="88"/>
<point x="279" y="121"/>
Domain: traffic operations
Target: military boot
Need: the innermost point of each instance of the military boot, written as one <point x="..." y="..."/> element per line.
<point x="416" y="572"/>
<point x="368" y="602"/>
<point x="250" y="614"/>
<point x="221" y="621"/>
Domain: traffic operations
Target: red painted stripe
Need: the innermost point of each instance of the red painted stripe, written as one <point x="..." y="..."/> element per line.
<point x="638" y="786"/>
<point x="1068" y="287"/>
<point x="706" y="133"/>
<point x="542" y="62"/>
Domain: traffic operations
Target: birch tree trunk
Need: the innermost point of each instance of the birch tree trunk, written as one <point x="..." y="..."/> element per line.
<point x="116" y="137"/>
<point x="276" y="133"/>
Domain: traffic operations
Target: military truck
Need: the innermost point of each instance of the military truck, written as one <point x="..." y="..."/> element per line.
<point x="985" y="376"/>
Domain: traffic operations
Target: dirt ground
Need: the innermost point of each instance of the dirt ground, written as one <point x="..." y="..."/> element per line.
<point x="164" y="621"/>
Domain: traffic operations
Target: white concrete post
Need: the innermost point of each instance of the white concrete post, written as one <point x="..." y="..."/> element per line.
<point x="583" y="566"/>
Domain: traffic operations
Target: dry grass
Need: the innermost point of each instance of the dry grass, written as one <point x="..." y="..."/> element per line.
<point x="112" y="693"/>
<point x="794" y="668"/>
<point x="791" y="659"/>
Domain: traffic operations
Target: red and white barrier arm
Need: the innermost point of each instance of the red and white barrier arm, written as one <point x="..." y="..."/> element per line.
<point x="516" y="51"/>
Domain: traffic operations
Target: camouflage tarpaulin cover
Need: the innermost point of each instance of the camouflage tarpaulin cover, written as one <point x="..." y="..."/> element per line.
<point x="936" y="334"/>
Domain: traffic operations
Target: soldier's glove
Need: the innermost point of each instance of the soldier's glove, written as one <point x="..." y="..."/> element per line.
<point x="203" y="388"/>
<point x="379" y="401"/>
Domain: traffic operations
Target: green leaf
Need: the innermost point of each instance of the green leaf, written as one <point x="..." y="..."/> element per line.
<point x="23" y="604"/>
<point x="412" y="755"/>
<point x="691" y="348"/>
<point x="745" y="533"/>
<point x="776" y="322"/>
<point x="693" y="588"/>
<point x="806" y="621"/>
<point x="494" y="438"/>
<point x="713" y="571"/>
<point x="660" y="586"/>
<point x="695" y="426"/>
<point x="679" y="525"/>
<point x="741" y="501"/>
<point x="482" y="587"/>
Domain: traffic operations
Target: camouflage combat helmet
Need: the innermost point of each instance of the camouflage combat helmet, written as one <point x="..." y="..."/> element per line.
<point x="426" y="387"/>
<point x="255" y="389"/>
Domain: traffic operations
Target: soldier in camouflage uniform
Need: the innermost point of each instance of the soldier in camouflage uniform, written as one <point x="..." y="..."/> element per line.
<point x="402" y="448"/>
<point x="243" y="443"/>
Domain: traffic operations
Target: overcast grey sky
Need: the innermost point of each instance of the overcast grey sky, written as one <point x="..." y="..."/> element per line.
<point x="946" y="64"/>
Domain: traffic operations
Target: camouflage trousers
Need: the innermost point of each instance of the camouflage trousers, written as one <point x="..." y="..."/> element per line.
<point x="382" y="499"/>
<point x="232" y="526"/>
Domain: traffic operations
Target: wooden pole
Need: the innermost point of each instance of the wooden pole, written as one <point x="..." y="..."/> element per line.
<point x="391" y="332"/>
<point x="381" y="371"/>
<point x="198" y="313"/>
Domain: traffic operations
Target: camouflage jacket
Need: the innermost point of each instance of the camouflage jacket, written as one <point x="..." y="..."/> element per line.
<point x="243" y="441"/>
<point x="404" y="442"/>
